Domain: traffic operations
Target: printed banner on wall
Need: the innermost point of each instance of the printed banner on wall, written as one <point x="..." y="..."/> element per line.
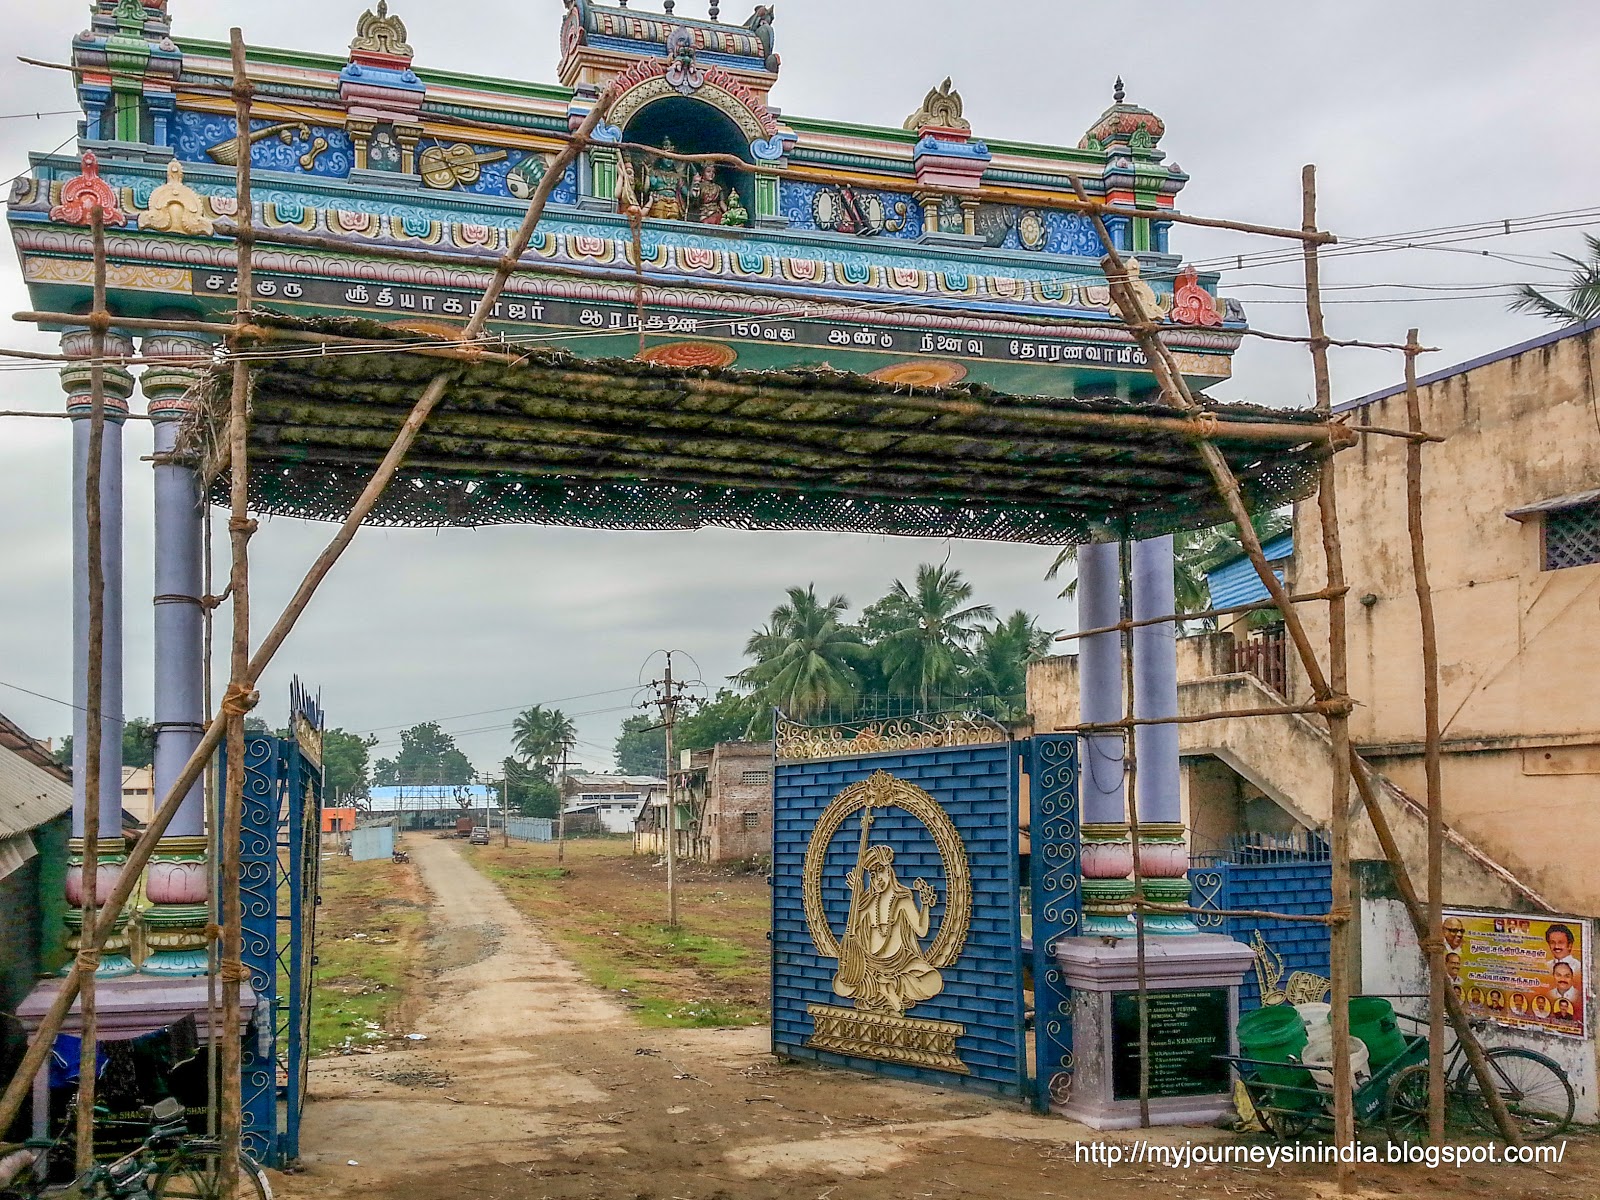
<point x="1522" y="972"/>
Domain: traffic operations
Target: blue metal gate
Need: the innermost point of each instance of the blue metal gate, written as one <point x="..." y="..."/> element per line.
<point x="896" y="921"/>
<point x="279" y="860"/>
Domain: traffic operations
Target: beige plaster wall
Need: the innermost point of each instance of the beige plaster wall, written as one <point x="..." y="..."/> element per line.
<point x="1519" y="646"/>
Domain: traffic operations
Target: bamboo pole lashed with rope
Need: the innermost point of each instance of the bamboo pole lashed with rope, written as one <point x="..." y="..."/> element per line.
<point x="94" y="702"/>
<point x="241" y="696"/>
<point x="1432" y="755"/>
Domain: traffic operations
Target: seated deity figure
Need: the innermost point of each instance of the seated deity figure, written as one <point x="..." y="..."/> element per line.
<point x="881" y="962"/>
<point x="737" y="214"/>
<point x="707" y="197"/>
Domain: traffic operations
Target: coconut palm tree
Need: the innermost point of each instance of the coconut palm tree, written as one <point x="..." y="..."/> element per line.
<point x="1580" y="294"/>
<point x="998" y="680"/>
<point x="805" y="659"/>
<point x="926" y="632"/>
<point x="539" y="734"/>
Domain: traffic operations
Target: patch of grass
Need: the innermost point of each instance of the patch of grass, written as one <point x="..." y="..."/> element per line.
<point x="605" y="908"/>
<point x="370" y="928"/>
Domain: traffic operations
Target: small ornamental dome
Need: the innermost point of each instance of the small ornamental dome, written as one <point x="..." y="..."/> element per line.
<point x="1124" y="124"/>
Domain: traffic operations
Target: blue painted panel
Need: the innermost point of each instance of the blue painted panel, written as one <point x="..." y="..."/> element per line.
<point x="328" y="149"/>
<point x="1054" y="874"/>
<point x="798" y="202"/>
<point x="1236" y="581"/>
<point x="1303" y="887"/>
<point x="983" y="988"/>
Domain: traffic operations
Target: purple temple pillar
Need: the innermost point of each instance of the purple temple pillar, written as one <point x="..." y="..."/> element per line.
<point x="1163" y="854"/>
<point x="1171" y="971"/>
<point x="1107" y="854"/>
<point x="176" y="884"/>
<point x="111" y="850"/>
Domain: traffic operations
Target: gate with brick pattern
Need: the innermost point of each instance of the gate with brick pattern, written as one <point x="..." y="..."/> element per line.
<point x="898" y="942"/>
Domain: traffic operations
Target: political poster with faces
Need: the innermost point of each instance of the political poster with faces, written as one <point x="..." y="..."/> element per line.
<point x="1522" y="972"/>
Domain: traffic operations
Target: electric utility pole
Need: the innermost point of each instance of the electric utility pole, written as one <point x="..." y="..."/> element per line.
<point x="561" y="809"/>
<point x="669" y="694"/>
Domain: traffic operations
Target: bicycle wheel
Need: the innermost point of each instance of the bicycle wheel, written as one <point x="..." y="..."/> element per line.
<point x="1535" y="1089"/>
<point x="1405" y="1109"/>
<point x="194" y="1174"/>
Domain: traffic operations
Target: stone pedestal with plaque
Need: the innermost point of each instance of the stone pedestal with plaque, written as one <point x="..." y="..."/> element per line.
<point x="1193" y="988"/>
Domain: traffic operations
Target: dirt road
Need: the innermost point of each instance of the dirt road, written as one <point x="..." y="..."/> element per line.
<point x="532" y="1083"/>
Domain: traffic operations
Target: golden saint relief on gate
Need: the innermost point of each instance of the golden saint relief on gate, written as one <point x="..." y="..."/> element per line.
<point x="890" y="958"/>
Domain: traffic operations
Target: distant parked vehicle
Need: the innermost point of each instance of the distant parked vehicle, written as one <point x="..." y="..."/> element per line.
<point x="464" y="827"/>
<point x="480" y="836"/>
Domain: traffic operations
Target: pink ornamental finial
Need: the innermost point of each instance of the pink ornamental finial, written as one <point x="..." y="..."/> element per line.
<point x="80" y="196"/>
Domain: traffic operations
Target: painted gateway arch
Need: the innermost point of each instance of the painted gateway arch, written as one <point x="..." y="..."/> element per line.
<point x="932" y="256"/>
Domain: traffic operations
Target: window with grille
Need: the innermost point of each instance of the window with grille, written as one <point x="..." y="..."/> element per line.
<point x="1572" y="536"/>
<point x="756" y="777"/>
<point x="752" y="821"/>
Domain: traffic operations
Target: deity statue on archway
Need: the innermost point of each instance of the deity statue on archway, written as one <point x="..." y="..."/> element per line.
<point x="708" y="198"/>
<point x="666" y="187"/>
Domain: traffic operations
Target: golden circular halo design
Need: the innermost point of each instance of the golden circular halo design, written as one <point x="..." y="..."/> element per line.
<point x="690" y="354"/>
<point x="924" y="372"/>
<point x="883" y="790"/>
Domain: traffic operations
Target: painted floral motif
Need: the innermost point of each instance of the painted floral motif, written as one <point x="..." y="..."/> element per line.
<point x="695" y="258"/>
<point x="86" y="192"/>
<point x="1192" y="304"/>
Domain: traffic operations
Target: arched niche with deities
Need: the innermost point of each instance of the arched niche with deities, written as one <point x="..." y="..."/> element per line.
<point x="681" y="105"/>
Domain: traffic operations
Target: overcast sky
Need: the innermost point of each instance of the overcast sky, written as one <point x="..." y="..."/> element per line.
<point x="1421" y="114"/>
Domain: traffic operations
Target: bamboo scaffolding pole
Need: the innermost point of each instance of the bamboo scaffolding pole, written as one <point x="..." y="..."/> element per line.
<point x="1201" y="614"/>
<point x="1409" y="435"/>
<point x="1432" y="757"/>
<point x="1130" y="762"/>
<point x="116" y="360"/>
<point x="1301" y="339"/>
<point x="94" y="702"/>
<point x="241" y="695"/>
<point x="33" y="1060"/>
<point x="1341" y="945"/>
<point x="1274" y="710"/>
<point x="1253" y="913"/>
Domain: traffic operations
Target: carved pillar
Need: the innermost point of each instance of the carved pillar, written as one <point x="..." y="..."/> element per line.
<point x="176" y="883"/>
<point x="1107" y="853"/>
<point x="1163" y="853"/>
<point x="112" y="851"/>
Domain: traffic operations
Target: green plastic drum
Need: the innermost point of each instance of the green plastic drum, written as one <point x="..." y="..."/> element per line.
<point x="1276" y="1033"/>
<point x="1373" y="1022"/>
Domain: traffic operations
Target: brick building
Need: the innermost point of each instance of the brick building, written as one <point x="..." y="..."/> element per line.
<point x="724" y="802"/>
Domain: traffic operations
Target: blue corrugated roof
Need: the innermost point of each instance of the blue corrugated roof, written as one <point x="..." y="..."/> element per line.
<point x="1236" y="582"/>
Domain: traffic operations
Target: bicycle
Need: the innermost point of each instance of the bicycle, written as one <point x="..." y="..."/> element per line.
<point x="1535" y="1089"/>
<point x="169" y="1164"/>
